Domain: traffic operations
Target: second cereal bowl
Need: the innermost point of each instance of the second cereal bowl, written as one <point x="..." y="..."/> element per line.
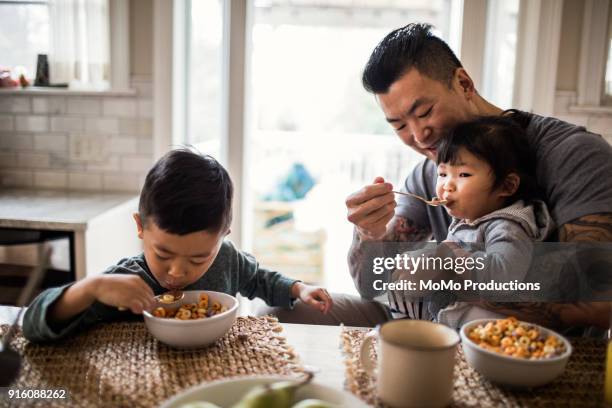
<point x="195" y="333"/>
<point x="513" y="371"/>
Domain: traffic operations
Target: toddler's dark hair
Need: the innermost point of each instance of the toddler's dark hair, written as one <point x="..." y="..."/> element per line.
<point x="186" y="192"/>
<point x="500" y="141"/>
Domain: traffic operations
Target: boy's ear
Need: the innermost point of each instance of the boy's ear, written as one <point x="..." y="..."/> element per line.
<point x="138" y="224"/>
<point x="510" y="185"/>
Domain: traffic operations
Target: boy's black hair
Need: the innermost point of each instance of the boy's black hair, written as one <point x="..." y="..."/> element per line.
<point x="411" y="46"/>
<point x="500" y="141"/>
<point x="186" y="192"/>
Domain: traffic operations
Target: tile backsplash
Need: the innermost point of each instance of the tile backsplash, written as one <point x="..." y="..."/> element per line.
<point x="76" y="142"/>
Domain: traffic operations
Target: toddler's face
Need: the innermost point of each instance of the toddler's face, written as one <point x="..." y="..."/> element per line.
<point x="177" y="261"/>
<point x="467" y="186"/>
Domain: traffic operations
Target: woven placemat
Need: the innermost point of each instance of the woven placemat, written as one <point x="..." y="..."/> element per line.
<point x="122" y="365"/>
<point x="581" y="385"/>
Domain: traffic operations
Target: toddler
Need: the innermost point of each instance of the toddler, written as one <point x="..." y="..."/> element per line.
<point x="486" y="175"/>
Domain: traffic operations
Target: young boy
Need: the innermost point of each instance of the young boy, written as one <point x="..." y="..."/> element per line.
<point x="184" y="214"/>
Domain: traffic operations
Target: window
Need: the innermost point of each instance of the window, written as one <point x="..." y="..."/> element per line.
<point x="500" y="51"/>
<point x="79" y="37"/>
<point x="316" y="134"/>
<point x="312" y="134"/>
<point x="24" y="33"/>
<point x="204" y="70"/>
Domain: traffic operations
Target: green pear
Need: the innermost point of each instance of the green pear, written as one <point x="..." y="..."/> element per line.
<point x="276" y="395"/>
<point x="314" y="403"/>
<point x="200" y="404"/>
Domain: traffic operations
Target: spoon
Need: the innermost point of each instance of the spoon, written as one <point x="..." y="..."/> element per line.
<point x="10" y="360"/>
<point x="434" y="202"/>
<point x="170" y="297"/>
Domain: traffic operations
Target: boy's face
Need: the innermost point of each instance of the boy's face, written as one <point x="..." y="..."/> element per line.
<point x="467" y="186"/>
<point x="177" y="261"/>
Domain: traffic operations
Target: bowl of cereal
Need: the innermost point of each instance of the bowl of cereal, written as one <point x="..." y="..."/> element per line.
<point x="514" y="353"/>
<point x="197" y="320"/>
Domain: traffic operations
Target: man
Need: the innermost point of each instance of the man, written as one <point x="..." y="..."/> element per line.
<point x="424" y="91"/>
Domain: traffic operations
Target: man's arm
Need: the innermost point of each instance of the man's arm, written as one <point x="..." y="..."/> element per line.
<point x="593" y="228"/>
<point x="590" y="228"/>
<point x="399" y="229"/>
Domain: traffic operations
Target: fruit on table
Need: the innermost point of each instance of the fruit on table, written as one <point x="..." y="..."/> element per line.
<point x="314" y="403"/>
<point x="276" y="395"/>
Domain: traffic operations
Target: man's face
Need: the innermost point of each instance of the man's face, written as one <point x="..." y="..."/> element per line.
<point x="423" y="110"/>
<point x="177" y="261"/>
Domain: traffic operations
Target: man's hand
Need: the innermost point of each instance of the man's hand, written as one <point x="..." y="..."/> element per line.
<point x="371" y="209"/>
<point x="125" y="291"/>
<point x="313" y="296"/>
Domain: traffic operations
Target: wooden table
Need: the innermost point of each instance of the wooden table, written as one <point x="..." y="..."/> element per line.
<point x="318" y="347"/>
<point x="99" y="226"/>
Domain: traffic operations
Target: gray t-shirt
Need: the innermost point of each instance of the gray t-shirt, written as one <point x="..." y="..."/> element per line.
<point x="573" y="168"/>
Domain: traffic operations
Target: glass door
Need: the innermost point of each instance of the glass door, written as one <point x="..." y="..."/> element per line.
<point x="316" y="135"/>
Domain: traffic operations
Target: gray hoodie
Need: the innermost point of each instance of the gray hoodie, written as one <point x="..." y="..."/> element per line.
<point x="506" y="238"/>
<point x="508" y="235"/>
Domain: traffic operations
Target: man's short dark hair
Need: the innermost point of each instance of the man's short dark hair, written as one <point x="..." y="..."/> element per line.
<point x="186" y="192"/>
<point x="412" y="46"/>
<point x="502" y="143"/>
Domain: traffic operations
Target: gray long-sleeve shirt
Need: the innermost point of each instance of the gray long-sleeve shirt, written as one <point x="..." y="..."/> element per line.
<point x="232" y="272"/>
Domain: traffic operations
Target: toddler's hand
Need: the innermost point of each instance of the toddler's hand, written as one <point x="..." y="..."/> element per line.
<point x="455" y="248"/>
<point x="124" y="291"/>
<point x="313" y="296"/>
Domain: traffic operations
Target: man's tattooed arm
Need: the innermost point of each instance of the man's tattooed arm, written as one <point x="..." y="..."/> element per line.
<point x="590" y="228"/>
<point x="594" y="228"/>
<point x="399" y="229"/>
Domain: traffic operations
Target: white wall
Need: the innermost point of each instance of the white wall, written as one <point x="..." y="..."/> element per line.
<point x="596" y="122"/>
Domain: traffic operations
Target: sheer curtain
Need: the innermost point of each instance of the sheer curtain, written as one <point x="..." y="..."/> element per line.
<point x="79" y="49"/>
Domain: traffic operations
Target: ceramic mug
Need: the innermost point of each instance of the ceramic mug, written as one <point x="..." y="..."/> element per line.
<point x="415" y="364"/>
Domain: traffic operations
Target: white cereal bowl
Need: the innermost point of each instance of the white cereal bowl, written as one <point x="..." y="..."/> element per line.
<point x="194" y="333"/>
<point x="513" y="371"/>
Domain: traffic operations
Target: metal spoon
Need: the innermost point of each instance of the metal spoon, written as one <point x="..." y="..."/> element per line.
<point x="434" y="202"/>
<point x="164" y="298"/>
<point x="177" y="296"/>
<point x="10" y="360"/>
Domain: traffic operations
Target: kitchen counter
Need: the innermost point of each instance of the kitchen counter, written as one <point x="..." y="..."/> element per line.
<point x="99" y="225"/>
